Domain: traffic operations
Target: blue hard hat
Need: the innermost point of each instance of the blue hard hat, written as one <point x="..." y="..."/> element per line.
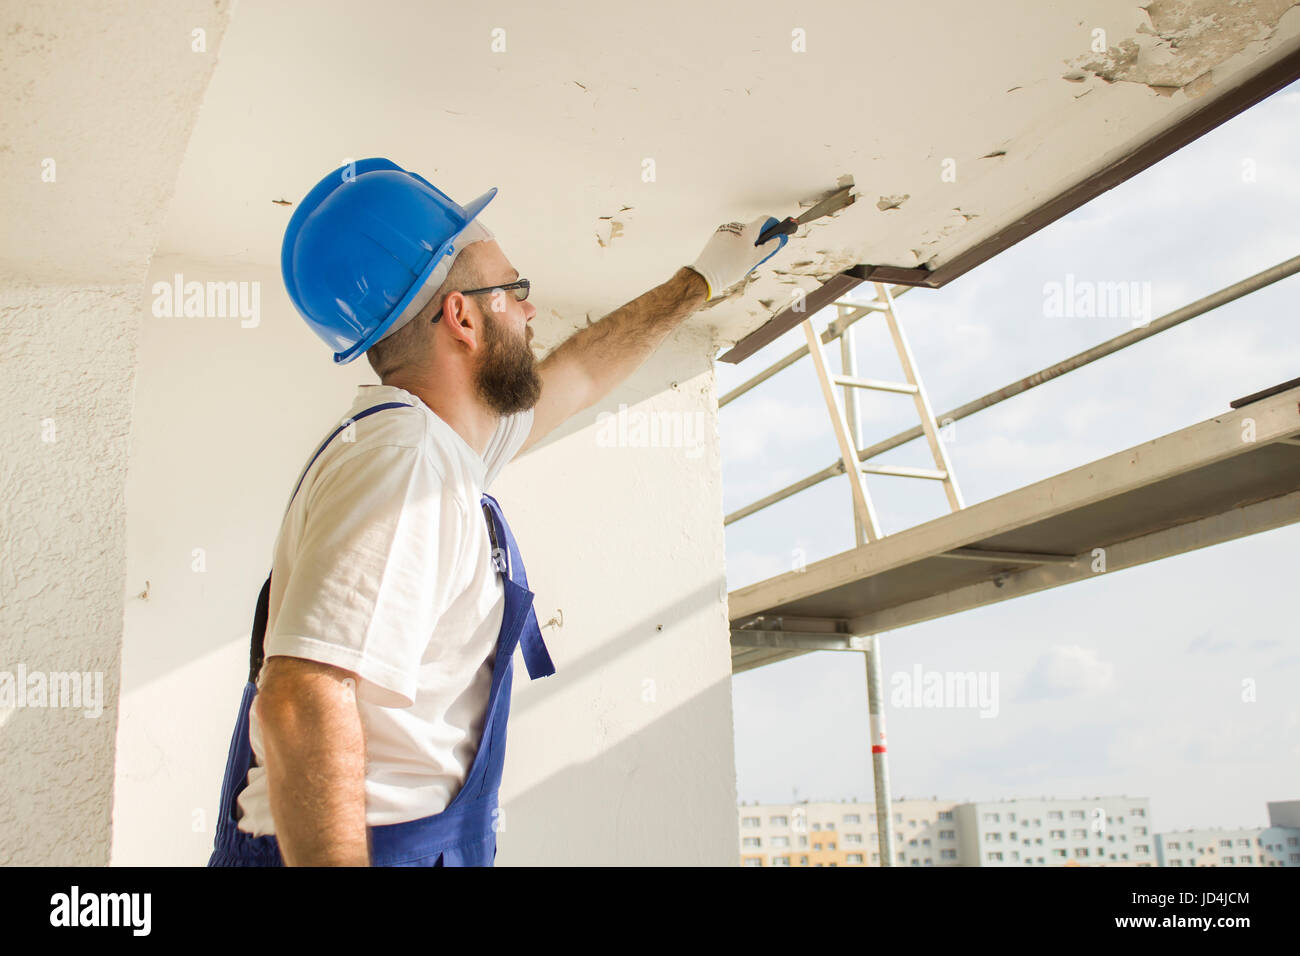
<point x="362" y="244"/>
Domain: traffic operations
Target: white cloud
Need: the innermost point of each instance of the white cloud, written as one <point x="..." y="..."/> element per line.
<point x="1068" y="671"/>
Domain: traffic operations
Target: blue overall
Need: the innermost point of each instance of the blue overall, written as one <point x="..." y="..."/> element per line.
<point x="464" y="833"/>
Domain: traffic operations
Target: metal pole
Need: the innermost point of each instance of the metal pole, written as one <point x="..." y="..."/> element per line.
<point x="879" y="759"/>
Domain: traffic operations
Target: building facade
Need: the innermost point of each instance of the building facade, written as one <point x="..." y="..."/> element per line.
<point x="1108" y="831"/>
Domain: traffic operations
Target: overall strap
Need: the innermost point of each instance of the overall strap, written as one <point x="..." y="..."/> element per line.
<point x="334" y="434"/>
<point x="257" y="652"/>
<point x="536" y="656"/>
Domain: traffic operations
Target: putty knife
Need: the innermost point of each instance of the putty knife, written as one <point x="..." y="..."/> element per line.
<point x="837" y="200"/>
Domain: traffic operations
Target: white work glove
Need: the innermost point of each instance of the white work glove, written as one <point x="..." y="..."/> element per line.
<point x="730" y="254"/>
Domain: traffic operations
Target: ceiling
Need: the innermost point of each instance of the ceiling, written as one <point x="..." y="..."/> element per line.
<point x="1005" y="98"/>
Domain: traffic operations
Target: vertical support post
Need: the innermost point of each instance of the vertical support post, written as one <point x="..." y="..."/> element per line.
<point x="849" y="366"/>
<point x="862" y="506"/>
<point x="879" y="756"/>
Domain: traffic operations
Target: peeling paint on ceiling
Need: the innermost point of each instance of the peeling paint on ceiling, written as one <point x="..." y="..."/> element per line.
<point x="619" y="142"/>
<point x="1181" y="43"/>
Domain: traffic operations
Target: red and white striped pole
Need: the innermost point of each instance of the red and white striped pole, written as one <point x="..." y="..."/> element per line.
<point x="879" y="756"/>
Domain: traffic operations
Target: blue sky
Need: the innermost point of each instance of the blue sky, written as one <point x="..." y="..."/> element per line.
<point x="1126" y="683"/>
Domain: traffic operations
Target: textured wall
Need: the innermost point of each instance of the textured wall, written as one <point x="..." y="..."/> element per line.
<point x="100" y="101"/>
<point x="65" y="413"/>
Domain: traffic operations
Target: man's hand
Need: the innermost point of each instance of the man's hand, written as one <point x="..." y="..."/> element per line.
<point x="315" y="762"/>
<point x="730" y="254"/>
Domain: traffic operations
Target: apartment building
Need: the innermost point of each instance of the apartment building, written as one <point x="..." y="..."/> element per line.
<point x="1277" y="844"/>
<point x="1108" y="831"/>
<point x="846" y="833"/>
<point x="1096" y="831"/>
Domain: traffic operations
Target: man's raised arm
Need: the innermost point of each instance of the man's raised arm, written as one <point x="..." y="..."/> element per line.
<point x="586" y="366"/>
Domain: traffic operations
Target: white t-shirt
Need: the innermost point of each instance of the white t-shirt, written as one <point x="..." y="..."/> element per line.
<point x="383" y="567"/>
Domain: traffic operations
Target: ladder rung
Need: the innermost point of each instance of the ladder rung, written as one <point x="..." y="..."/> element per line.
<point x="871" y="305"/>
<point x="901" y="471"/>
<point x="874" y="383"/>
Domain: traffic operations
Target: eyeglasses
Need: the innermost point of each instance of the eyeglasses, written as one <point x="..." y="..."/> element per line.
<point x="519" y="287"/>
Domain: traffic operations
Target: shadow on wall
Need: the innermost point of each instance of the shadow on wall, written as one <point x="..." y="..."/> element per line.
<point x="616" y="800"/>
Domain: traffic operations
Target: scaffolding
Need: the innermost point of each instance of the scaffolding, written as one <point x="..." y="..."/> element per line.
<point x="1196" y="487"/>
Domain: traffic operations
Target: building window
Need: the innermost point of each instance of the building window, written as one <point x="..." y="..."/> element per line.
<point x="1055" y="815"/>
<point x="1056" y="834"/>
<point x="779" y="821"/>
<point x="750" y="821"/>
<point x="1076" y="815"/>
<point x="853" y="838"/>
<point x="990" y="818"/>
<point x="995" y="856"/>
<point x="817" y="846"/>
<point x="803" y="861"/>
<point x="947" y="854"/>
<point x="780" y="861"/>
<point x="945" y="815"/>
<point x="853" y="858"/>
<point x="752" y="861"/>
<point x="830" y="846"/>
<point x="780" y="841"/>
<point x="803" y="841"/>
<point x="852" y="818"/>
<point x="1137" y="812"/>
<point x="947" y="834"/>
<point x="816" y="826"/>
<point x="751" y="841"/>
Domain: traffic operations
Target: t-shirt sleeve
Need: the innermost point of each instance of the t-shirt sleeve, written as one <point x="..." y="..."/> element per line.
<point x="373" y="571"/>
<point x="512" y="431"/>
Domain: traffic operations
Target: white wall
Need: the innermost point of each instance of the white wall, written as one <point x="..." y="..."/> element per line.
<point x="624" y="756"/>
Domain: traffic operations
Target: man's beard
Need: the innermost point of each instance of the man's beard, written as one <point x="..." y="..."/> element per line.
<point x="507" y="379"/>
